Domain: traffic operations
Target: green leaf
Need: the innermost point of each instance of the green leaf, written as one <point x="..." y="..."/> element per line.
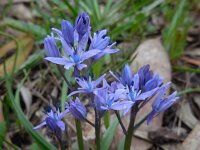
<point x="108" y="135"/>
<point x="25" y="27"/>
<point x="174" y="35"/>
<point x="34" y="146"/>
<point x="3" y="129"/>
<point x="32" y="60"/>
<point x="121" y="144"/>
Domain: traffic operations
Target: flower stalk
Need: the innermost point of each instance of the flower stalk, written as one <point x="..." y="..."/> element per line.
<point x="120" y="122"/>
<point x="130" y="131"/>
<point x="97" y="130"/>
<point x="79" y="134"/>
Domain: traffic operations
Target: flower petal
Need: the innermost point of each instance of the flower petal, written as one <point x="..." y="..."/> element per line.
<point x="98" y="81"/>
<point x="146" y="95"/>
<point x="68" y="65"/>
<point x="40" y="125"/>
<point x="57" y="60"/>
<point x="67" y="31"/>
<point x="61" y="125"/>
<point x="81" y="66"/>
<point x="75" y="92"/>
<point x="89" y="54"/>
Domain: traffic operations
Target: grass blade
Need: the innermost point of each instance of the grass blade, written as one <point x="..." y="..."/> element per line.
<point x="108" y="135"/>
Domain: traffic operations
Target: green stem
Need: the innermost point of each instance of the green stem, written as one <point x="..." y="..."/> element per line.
<point x="128" y="139"/>
<point x="120" y="122"/>
<point x="141" y="121"/>
<point x="190" y="90"/>
<point x="63" y="75"/>
<point x="79" y="134"/>
<point x="97" y="130"/>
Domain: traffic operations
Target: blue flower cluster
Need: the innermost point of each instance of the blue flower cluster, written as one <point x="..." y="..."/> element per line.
<point x="129" y="89"/>
<point x="74" y="42"/>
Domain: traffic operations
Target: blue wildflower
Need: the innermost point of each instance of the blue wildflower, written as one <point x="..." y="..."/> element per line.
<point x="104" y="100"/>
<point x="161" y="102"/>
<point x="87" y="85"/>
<point x="133" y="93"/>
<point x="67" y="32"/>
<point x="126" y="78"/>
<point x="82" y="25"/>
<point x="77" y="109"/>
<point x="75" y="58"/>
<point x="148" y="80"/>
<point x="102" y="42"/>
<point x="74" y="42"/>
<point x="50" y="47"/>
<point x="53" y="120"/>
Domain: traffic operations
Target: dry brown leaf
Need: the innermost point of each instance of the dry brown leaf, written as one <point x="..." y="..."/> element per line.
<point x="10" y="49"/>
<point x="192" y="140"/>
<point x="164" y="135"/>
<point x="27" y="97"/>
<point x="191" y="61"/>
<point x="22" y="12"/>
<point x="197" y="99"/>
<point x="186" y="115"/>
<point x="193" y="52"/>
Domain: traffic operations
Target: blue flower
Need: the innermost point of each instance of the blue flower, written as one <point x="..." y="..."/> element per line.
<point x="102" y="42"/>
<point x="50" y="47"/>
<point x="133" y="93"/>
<point x="74" y="58"/>
<point x="126" y="78"/>
<point x="106" y="100"/>
<point x="161" y="102"/>
<point x="53" y="120"/>
<point x="74" y="42"/>
<point x="67" y="32"/>
<point x="148" y="80"/>
<point x="87" y="85"/>
<point x="82" y="25"/>
<point x="77" y="109"/>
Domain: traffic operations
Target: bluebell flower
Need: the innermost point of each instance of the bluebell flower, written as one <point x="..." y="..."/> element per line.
<point x="104" y="100"/>
<point x="74" y="42"/>
<point x="152" y="83"/>
<point x="53" y="120"/>
<point x="126" y="78"/>
<point x="50" y="47"/>
<point x="82" y="25"/>
<point x="67" y="32"/>
<point x="74" y="58"/>
<point x="77" y="109"/>
<point x="133" y="93"/>
<point x="102" y="42"/>
<point x="161" y="102"/>
<point x="148" y="80"/>
<point x="87" y="85"/>
<point x="73" y="35"/>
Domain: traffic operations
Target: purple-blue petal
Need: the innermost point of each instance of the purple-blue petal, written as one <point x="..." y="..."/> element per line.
<point x="67" y="31"/>
<point x="57" y="60"/>
<point x="89" y="54"/>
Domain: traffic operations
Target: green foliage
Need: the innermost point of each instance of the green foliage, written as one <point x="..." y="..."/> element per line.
<point x="108" y="135"/>
<point x="174" y="35"/>
<point x="2" y="132"/>
<point x="31" y="28"/>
